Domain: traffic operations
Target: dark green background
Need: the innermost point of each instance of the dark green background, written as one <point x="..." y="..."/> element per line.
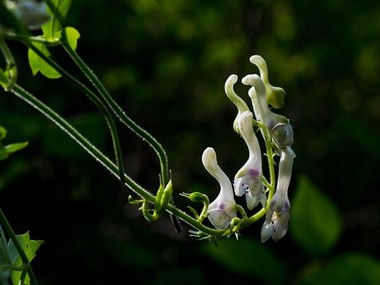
<point x="166" y="62"/>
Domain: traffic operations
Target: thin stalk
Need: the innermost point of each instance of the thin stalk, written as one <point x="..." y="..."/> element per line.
<point x="271" y="162"/>
<point x="11" y="65"/>
<point x="80" y="139"/>
<point x="101" y="106"/>
<point x="157" y="147"/>
<point x="126" y="120"/>
<point x="105" y="161"/>
<point x="24" y="258"/>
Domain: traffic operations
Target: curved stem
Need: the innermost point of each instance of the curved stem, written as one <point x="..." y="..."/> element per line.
<point x="11" y="65"/>
<point x="160" y="151"/>
<point x="78" y="138"/>
<point x="119" y="112"/>
<point x="102" y="159"/>
<point x="108" y="116"/>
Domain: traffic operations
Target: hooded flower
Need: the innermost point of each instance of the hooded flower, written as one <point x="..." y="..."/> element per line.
<point x="277" y="217"/>
<point x="278" y="126"/>
<point x="247" y="179"/>
<point x="223" y="209"/>
<point x="275" y="95"/>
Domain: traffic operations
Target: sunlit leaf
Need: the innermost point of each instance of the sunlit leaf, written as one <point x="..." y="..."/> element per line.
<point x="10" y="148"/>
<point x="37" y="64"/>
<point x="315" y="222"/>
<point x="348" y="269"/>
<point x="72" y="36"/>
<point x="248" y="257"/>
<point x="29" y="246"/>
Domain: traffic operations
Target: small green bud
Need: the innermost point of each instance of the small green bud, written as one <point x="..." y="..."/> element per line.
<point x="196" y="197"/>
<point x="163" y="196"/>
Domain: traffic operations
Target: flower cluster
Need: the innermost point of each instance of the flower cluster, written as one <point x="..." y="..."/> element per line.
<point x="249" y="181"/>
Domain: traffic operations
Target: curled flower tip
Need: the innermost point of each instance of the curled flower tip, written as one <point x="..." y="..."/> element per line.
<point x="275" y="95"/>
<point x="223" y="209"/>
<point x="31" y="13"/>
<point x="247" y="180"/>
<point x="239" y="103"/>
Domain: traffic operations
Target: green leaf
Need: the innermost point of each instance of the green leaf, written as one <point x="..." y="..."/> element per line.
<point x="5" y="151"/>
<point x="249" y="257"/>
<point x="72" y="36"/>
<point x="29" y="247"/>
<point x="10" y="148"/>
<point x="3" y="133"/>
<point x="348" y="269"/>
<point x="52" y="29"/>
<point x="315" y="222"/>
<point x="37" y="64"/>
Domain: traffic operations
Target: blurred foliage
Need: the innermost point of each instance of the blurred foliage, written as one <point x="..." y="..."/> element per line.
<point x="315" y="225"/>
<point x="166" y="63"/>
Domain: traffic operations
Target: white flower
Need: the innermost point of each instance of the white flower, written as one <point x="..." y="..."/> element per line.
<point x="275" y="95"/>
<point x="239" y="103"/>
<point x="278" y="126"/>
<point x="277" y="217"/>
<point x="223" y="209"/>
<point x="247" y="179"/>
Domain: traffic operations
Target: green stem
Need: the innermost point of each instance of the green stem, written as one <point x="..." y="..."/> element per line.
<point x="24" y="258"/>
<point x="271" y="163"/>
<point x="102" y="159"/>
<point x="157" y="147"/>
<point x="78" y="138"/>
<point x="108" y="116"/>
<point x="11" y="67"/>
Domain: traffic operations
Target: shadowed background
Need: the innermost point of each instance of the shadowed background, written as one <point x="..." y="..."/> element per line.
<point x="166" y="62"/>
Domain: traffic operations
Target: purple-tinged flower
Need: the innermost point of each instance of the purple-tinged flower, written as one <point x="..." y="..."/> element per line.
<point x="223" y="209"/>
<point x="277" y="217"/>
<point x="247" y="179"/>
